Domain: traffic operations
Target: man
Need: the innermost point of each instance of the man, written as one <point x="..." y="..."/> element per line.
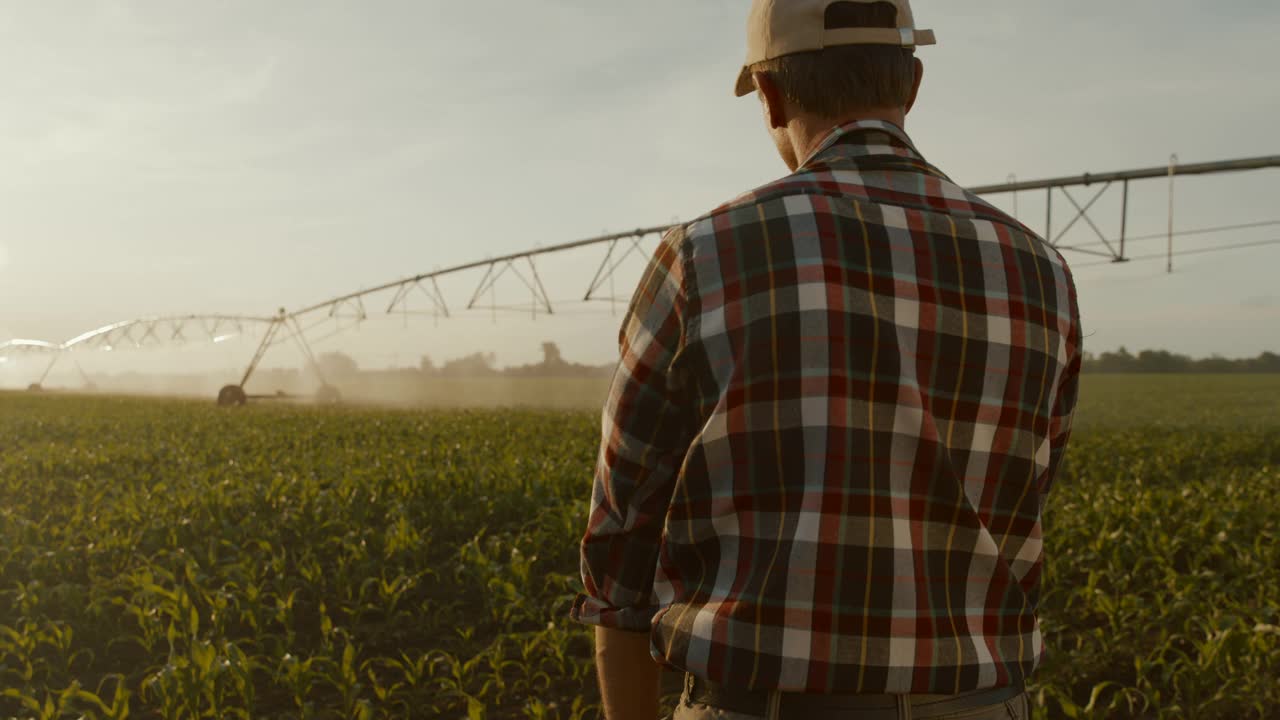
<point x="841" y="403"/>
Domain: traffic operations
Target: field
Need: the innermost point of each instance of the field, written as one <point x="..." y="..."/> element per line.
<point x="166" y="559"/>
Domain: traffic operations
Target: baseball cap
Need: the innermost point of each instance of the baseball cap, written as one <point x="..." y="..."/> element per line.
<point x="784" y="27"/>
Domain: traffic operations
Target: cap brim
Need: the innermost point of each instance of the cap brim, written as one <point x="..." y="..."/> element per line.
<point x="745" y="85"/>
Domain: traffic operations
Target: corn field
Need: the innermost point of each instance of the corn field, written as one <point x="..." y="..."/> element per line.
<point x="167" y="559"/>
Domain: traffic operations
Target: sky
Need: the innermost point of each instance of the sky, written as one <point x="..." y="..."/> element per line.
<point x="162" y="158"/>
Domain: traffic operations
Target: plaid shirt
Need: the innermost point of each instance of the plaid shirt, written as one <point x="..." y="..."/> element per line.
<point x="841" y="403"/>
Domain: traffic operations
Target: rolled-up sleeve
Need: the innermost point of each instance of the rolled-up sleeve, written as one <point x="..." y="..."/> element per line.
<point x="644" y="440"/>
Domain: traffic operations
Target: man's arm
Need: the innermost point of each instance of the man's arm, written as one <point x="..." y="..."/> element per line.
<point x="645" y="436"/>
<point x="629" y="678"/>
<point x="1063" y="412"/>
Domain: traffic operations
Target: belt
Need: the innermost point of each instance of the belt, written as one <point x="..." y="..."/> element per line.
<point x="816" y="706"/>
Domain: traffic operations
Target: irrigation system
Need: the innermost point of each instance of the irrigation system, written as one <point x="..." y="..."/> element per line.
<point x="285" y="327"/>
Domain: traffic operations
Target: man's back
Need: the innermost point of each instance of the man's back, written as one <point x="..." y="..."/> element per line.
<point x="842" y="400"/>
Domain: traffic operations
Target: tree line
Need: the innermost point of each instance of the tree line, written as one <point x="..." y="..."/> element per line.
<point x="339" y="365"/>
<point x="1163" y="361"/>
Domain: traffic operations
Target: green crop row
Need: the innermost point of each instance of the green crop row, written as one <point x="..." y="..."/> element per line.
<point x="163" y="559"/>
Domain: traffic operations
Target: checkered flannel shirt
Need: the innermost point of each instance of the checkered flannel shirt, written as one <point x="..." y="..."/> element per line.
<point x="841" y="402"/>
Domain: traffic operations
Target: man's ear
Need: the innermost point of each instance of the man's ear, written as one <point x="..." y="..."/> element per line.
<point x="915" y="85"/>
<point x="775" y="110"/>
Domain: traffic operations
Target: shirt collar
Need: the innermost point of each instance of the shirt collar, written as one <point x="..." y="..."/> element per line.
<point x="862" y="138"/>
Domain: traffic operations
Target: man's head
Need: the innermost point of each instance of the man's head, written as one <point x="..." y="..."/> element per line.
<point x="816" y="64"/>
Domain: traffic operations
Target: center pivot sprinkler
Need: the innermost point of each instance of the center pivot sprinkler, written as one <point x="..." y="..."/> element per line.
<point x="235" y="395"/>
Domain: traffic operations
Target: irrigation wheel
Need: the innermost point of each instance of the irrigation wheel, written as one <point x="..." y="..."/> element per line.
<point x="328" y="395"/>
<point x="232" y="395"/>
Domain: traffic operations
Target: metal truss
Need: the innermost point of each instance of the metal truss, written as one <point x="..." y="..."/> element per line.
<point x="137" y="334"/>
<point x="522" y="266"/>
<point x="400" y="303"/>
<point x="533" y="282"/>
<point x="350" y="309"/>
<point x="1115" y="250"/>
<point x="609" y="267"/>
<point x="33" y="347"/>
<point x="147" y="332"/>
<point x="19" y="347"/>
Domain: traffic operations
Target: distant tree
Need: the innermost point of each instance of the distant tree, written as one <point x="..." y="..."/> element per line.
<point x="336" y="365"/>
<point x="1267" y="362"/>
<point x="426" y="365"/>
<point x="1162" y="361"/>
<point x="1113" y="362"/>
<point x="551" y="356"/>
<point x="1216" y="364"/>
<point x="471" y="365"/>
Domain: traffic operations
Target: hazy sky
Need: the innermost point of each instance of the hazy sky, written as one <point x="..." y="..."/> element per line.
<point x="234" y="157"/>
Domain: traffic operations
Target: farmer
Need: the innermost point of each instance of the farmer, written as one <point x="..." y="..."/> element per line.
<point x="840" y="407"/>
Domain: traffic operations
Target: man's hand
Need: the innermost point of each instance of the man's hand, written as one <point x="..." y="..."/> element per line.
<point x="629" y="678"/>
